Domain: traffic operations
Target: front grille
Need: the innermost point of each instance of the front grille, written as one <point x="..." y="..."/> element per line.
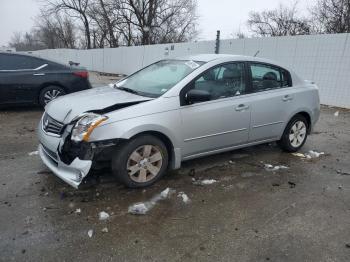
<point x="51" y="125"/>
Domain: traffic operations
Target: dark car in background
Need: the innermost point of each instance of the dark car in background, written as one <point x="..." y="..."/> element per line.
<point x="26" y="79"/>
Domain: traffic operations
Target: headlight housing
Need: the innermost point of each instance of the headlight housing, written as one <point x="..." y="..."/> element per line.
<point x="85" y="125"/>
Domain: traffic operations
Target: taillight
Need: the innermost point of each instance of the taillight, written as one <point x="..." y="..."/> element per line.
<point x="82" y="74"/>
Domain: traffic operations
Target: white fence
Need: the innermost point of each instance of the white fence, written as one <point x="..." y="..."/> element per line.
<point x="324" y="59"/>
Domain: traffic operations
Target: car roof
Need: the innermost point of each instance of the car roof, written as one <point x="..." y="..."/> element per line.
<point x="211" y="57"/>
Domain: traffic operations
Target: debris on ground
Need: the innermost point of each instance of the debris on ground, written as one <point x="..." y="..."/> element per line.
<point x="311" y="154"/>
<point x="34" y="153"/>
<point x="142" y="208"/>
<point x="340" y="172"/>
<point x="184" y="197"/>
<point x="270" y="167"/>
<point x="336" y="114"/>
<point x="103" y="215"/>
<point x="347" y="245"/>
<point x="104" y="230"/>
<point x="291" y="184"/>
<point x="204" y="182"/>
<point x="90" y="233"/>
<point x="78" y="211"/>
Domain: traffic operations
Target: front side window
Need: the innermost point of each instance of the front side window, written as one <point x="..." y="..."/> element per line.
<point x="223" y="81"/>
<point x="266" y="77"/>
<point x="156" y="79"/>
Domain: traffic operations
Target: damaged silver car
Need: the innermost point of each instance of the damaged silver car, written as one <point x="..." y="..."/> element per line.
<point x="175" y="110"/>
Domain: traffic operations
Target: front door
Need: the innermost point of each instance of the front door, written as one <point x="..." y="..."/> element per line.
<point x="224" y="120"/>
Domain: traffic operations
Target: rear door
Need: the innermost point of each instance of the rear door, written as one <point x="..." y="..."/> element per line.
<point x="272" y="101"/>
<point x="221" y="122"/>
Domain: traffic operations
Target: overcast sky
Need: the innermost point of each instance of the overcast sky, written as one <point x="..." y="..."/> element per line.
<point x="229" y="16"/>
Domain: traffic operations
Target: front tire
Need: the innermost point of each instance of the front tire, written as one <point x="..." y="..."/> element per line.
<point x="140" y="162"/>
<point x="295" y="134"/>
<point x="49" y="93"/>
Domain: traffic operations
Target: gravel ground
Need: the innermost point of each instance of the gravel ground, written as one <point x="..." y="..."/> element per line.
<point x="249" y="214"/>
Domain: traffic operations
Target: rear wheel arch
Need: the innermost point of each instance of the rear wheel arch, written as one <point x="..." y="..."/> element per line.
<point x="307" y="116"/>
<point x="44" y="85"/>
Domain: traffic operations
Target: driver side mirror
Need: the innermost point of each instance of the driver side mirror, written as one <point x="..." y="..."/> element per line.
<point x="196" y="96"/>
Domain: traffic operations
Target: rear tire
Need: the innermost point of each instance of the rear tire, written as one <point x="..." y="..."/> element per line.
<point x="140" y="162"/>
<point x="295" y="134"/>
<point x="49" y="93"/>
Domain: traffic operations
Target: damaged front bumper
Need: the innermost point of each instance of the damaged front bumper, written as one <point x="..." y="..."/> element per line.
<point x="72" y="174"/>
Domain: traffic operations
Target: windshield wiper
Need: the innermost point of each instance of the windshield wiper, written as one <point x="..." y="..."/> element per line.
<point x="126" y="89"/>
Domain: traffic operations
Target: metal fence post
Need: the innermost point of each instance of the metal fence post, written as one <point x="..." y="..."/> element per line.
<point x="217" y="42"/>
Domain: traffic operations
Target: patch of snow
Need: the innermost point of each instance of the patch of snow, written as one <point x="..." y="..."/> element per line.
<point x="270" y="167"/>
<point x="184" y="197"/>
<point x="311" y="154"/>
<point x="336" y="114"/>
<point x="139" y="209"/>
<point x="90" y="233"/>
<point x="78" y="211"/>
<point x="104" y="230"/>
<point x="314" y="154"/>
<point x="165" y="193"/>
<point x="34" y="153"/>
<point x="142" y="208"/>
<point x="204" y="182"/>
<point x="103" y="215"/>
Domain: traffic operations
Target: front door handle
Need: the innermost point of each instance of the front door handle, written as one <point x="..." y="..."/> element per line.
<point x="241" y="107"/>
<point x="287" y="98"/>
<point x="39" y="74"/>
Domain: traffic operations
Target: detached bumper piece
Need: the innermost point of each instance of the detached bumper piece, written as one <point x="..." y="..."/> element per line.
<point x="72" y="173"/>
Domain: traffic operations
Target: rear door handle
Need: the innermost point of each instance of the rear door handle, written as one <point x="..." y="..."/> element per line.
<point x="287" y="98"/>
<point x="241" y="107"/>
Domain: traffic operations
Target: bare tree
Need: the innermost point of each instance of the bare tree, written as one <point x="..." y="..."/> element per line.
<point x="26" y="42"/>
<point x="105" y="17"/>
<point x="159" y="21"/>
<point x="331" y="16"/>
<point x="56" y="30"/>
<point x="279" y="22"/>
<point x="74" y="8"/>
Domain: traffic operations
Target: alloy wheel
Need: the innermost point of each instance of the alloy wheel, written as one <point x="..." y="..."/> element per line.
<point x="144" y="163"/>
<point x="297" y="134"/>
<point x="51" y="95"/>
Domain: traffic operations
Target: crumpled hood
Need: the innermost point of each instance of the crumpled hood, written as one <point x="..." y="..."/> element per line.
<point x="65" y="108"/>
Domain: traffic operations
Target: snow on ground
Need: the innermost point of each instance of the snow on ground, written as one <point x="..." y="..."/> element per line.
<point x="143" y="208"/>
<point x="270" y="167"/>
<point x="311" y="154"/>
<point x="103" y="215"/>
<point x="34" y="153"/>
<point x="204" y="182"/>
<point x="184" y="197"/>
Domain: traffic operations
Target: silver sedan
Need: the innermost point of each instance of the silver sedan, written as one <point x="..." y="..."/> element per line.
<point x="175" y="110"/>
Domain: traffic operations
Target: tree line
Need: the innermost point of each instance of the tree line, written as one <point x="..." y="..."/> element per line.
<point x="112" y="23"/>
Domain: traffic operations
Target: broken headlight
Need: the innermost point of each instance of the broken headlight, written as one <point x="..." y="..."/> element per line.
<point x="85" y="125"/>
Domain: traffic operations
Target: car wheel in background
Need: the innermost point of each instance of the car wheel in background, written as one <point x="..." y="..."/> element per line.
<point x="140" y="162"/>
<point x="295" y="134"/>
<point x="49" y="93"/>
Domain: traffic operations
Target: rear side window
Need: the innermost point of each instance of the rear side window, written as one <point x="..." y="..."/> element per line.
<point x="19" y="62"/>
<point x="267" y="77"/>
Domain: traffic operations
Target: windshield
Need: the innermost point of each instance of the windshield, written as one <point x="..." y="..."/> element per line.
<point x="156" y="79"/>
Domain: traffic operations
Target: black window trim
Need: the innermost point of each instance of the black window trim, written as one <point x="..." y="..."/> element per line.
<point x="251" y="89"/>
<point x="187" y="87"/>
